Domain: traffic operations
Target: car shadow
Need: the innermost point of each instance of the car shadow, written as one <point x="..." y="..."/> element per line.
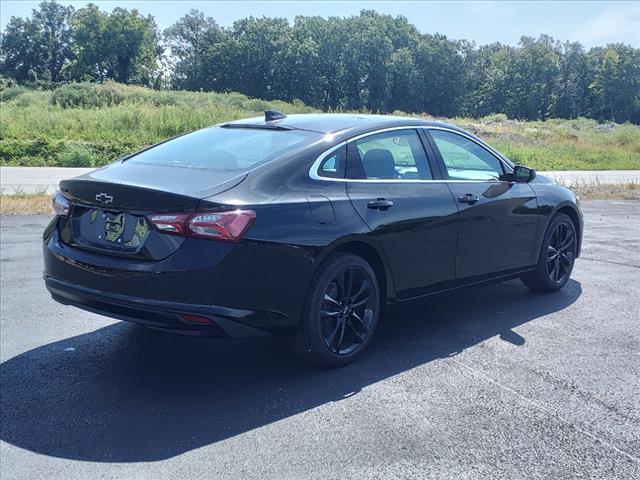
<point x="127" y="394"/>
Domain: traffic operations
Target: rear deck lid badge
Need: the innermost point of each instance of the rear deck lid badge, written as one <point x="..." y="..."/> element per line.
<point x="104" y="198"/>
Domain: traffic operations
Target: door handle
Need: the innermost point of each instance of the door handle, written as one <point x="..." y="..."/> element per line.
<point x="380" y="204"/>
<point x="469" y="198"/>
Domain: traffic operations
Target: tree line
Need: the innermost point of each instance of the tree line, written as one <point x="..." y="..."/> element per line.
<point x="371" y="61"/>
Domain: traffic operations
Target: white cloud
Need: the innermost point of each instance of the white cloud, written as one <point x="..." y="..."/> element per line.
<point x="611" y="24"/>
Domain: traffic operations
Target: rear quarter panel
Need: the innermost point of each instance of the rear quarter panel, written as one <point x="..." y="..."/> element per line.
<point x="299" y="221"/>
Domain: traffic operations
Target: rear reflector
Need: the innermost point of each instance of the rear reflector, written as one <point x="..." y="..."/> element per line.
<point x="196" y="319"/>
<point x="227" y="226"/>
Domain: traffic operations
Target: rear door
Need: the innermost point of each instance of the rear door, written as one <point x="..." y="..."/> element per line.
<point x="498" y="219"/>
<point x="390" y="183"/>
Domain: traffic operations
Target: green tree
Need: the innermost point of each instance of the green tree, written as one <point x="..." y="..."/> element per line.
<point x="534" y="75"/>
<point x="441" y="66"/>
<point x="324" y="68"/>
<point x="615" y="88"/>
<point x="256" y="49"/>
<point x="53" y="20"/>
<point x="190" y="41"/>
<point x="570" y="90"/>
<point x="403" y="78"/>
<point x="36" y="49"/>
<point x="366" y="52"/>
<point x="22" y="55"/>
<point x="122" y="45"/>
<point x="367" y="61"/>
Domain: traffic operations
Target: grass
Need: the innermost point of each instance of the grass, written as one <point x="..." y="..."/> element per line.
<point x="37" y="130"/>
<point x="567" y="145"/>
<point x="26" y="204"/>
<point x="557" y="144"/>
<point x="91" y="125"/>
<point x="630" y="191"/>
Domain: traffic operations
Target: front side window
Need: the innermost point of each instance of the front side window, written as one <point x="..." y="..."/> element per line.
<point x="394" y="155"/>
<point x="223" y="148"/>
<point x="465" y="159"/>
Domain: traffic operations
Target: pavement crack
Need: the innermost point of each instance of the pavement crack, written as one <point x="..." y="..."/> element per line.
<point x="544" y="409"/>
<point x="609" y="261"/>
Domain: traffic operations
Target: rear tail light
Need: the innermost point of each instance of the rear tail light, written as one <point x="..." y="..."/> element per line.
<point x="226" y="226"/>
<point x="61" y="206"/>
<point x="172" y="223"/>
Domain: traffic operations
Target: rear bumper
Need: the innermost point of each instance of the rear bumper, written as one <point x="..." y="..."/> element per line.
<point x="225" y="322"/>
<point x="251" y="284"/>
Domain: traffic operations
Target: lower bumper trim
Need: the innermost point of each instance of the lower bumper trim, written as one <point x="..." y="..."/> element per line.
<point x="226" y="322"/>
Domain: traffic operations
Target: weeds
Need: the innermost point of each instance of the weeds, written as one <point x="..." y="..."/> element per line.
<point x="92" y="124"/>
<point x="25" y="204"/>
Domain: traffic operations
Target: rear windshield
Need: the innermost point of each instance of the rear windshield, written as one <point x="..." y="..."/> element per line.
<point x="223" y="148"/>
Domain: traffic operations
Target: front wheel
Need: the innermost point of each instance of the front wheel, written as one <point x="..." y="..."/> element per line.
<point x="557" y="255"/>
<point x="341" y="312"/>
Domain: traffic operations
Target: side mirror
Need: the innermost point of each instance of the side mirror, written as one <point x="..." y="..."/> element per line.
<point x="523" y="174"/>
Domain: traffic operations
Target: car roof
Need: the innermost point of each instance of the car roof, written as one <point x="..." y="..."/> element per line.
<point x="338" y="123"/>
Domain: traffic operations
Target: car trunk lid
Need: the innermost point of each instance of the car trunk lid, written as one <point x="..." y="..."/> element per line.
<point x="144" y="187"/>
<point x="111" y="205"/>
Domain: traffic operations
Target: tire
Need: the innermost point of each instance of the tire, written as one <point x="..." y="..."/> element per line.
<point x="340" y="316"/>
<point x="556" y="258"/>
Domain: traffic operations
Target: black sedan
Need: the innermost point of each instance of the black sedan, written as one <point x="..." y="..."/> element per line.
<point x="305" y="226"/>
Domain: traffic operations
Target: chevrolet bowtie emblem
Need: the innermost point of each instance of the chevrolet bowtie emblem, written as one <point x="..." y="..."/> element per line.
<point x="104" y="198"/>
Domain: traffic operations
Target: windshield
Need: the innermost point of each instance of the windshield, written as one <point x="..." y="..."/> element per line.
<point x="222" y="148"/>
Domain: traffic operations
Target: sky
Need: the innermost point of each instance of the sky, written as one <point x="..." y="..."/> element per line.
<point x="592" y="23"/>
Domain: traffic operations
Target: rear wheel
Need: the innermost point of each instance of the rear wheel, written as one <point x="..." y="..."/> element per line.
<point x="557" y="255"/>
<point x="341" y="312"/>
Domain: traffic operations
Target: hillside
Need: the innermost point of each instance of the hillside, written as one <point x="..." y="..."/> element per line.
<point x="92" y="124"/>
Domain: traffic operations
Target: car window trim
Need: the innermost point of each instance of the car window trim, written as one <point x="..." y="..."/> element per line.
<point x="432" y="156"/>
<point x="313" y="171"/>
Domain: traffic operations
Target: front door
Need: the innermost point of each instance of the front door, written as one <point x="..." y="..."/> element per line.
<point x="497" y="219"/>
<point x="414" y="220"/>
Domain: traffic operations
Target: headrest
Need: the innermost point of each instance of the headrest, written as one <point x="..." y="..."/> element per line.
<point x="379" y="163"/>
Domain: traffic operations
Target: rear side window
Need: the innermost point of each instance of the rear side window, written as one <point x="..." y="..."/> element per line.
<point x="394" y="155"/>
<point x="222" y="148"/>
<point x="465" y="159"/>
<point x="333" y="165"/>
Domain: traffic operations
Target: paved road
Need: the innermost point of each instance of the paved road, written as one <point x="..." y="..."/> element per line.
<point x="595" y="177"/>
<point x="35" y="179"/>
<point x="45" y="179"/>
<point x="490" y="383"/>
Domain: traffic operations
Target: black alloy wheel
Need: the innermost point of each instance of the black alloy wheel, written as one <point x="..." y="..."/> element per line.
<point x="341" y="312"/>
<point x="347" y="311"/>
<point x="561" y="253"/>
<point x="557" y="256"/>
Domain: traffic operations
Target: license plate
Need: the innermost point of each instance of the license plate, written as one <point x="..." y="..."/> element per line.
<point x="117" y="230"/>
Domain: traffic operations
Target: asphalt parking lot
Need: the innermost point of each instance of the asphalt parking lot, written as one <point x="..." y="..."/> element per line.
<point x="492" y="383"/>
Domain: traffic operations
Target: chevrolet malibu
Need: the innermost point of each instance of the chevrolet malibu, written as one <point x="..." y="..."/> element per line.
<point x="304" y="226"/>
